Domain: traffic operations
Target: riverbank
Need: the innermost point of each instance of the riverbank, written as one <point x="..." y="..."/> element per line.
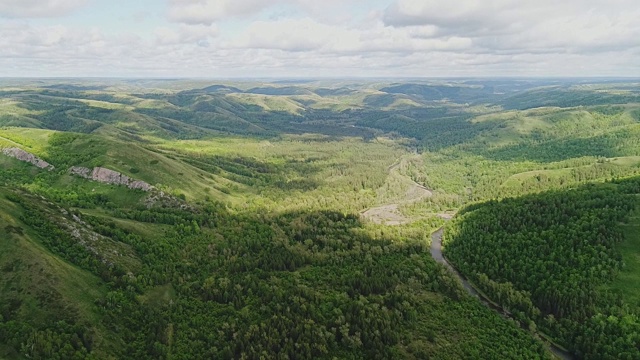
<point x="438" y="256"/>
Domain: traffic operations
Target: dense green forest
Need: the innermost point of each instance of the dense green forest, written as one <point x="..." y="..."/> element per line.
<point x="294" y="220"/>
<point x="548" y="257"/>
<point x="216" y="285"/>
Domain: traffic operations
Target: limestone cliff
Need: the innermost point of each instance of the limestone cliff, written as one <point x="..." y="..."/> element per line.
<point x="108" y="176"/>
<point x="27" y="157"/>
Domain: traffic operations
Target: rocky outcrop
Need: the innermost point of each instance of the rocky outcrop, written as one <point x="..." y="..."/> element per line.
<point x="80" y="171"/>
<point x="28" y="157"/>
<point x="108" y="176"/>
<point x="140" y="185"/>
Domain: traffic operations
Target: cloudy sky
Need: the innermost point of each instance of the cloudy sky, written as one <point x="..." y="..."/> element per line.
<point x="319" y="38"/>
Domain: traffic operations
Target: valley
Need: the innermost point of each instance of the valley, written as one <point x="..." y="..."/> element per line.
<point x="251" y="219"/>
<point x="389" y="214"/>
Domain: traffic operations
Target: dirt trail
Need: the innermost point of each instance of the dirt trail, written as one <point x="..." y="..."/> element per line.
<point x="436" y="253"/>
<point x="11" y="141"/>
<point x="389" y="214"/>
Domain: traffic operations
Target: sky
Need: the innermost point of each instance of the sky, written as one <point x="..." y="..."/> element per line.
<point x="319" y="38"/>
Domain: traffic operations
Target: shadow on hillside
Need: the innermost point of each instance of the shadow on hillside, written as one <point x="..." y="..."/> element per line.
<point x="559" y="149"/>
<point x="289" y="175"/>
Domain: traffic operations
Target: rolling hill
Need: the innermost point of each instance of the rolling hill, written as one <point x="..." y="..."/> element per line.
<point x="249" y="240"/>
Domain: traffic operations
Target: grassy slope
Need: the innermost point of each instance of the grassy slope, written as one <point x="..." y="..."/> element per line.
<point x="269" y="102"/>
<point x="31" y="140"/>
<point x="40" y="286"/>
<point x="521" y="145"/>
<point x="131" y="159"/>
<point x="337" y="167"/>
<point x="627" y="282"/>
<point x="627" y="163"/>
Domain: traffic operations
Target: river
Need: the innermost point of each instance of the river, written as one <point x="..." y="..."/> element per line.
<point x="436" y="253"/>
<point x="388" y="214"/>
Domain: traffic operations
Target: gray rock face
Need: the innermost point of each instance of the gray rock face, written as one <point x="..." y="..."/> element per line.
<point x="140" y="185"/>
<point x="27" y="157"/>
<point x="81" y="171"/>
<point x="108" y="176"/>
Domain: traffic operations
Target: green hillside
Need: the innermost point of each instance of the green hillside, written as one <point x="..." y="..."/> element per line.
<point x="47" y="302"/>
<point x="627" y="282"/>
<point x="566" y="260"/>
<point x="255" y="239"/>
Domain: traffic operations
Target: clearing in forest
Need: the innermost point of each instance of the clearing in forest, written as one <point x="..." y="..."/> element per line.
<point x="389" y="214"/>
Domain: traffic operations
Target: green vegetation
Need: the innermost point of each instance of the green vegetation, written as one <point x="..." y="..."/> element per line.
<point x="220" y="285"/>
<point x="45" y="301"/>
<point x="544" y="257"/>
<point x="627" y="281"/>
<point x="256" y="241"/>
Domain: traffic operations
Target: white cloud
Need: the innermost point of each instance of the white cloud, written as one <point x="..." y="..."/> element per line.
<point x="309" y="35"/>
<point x="531" y="26"/>
<point x="38" y="8"/>
<point x="57" y="42"/>
<point x="185" y="34"/>
<point x="210" y="11"/>
<point x="295" y="35"/>
<point x="461" y="14"/>
<point x="331" y="38"/>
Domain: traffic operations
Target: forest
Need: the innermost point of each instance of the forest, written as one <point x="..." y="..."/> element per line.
<point x="547" y="257"/>
<point x="294" y="220"/>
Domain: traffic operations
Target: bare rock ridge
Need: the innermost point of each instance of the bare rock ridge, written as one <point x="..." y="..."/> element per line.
<point x="100" y="174"/>
<point x="107" y="176"/>
<point x="27" y="157"/>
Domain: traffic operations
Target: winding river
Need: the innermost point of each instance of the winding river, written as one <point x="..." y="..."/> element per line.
<point x="436" y="253"/>
<point x="388" y="214"/>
